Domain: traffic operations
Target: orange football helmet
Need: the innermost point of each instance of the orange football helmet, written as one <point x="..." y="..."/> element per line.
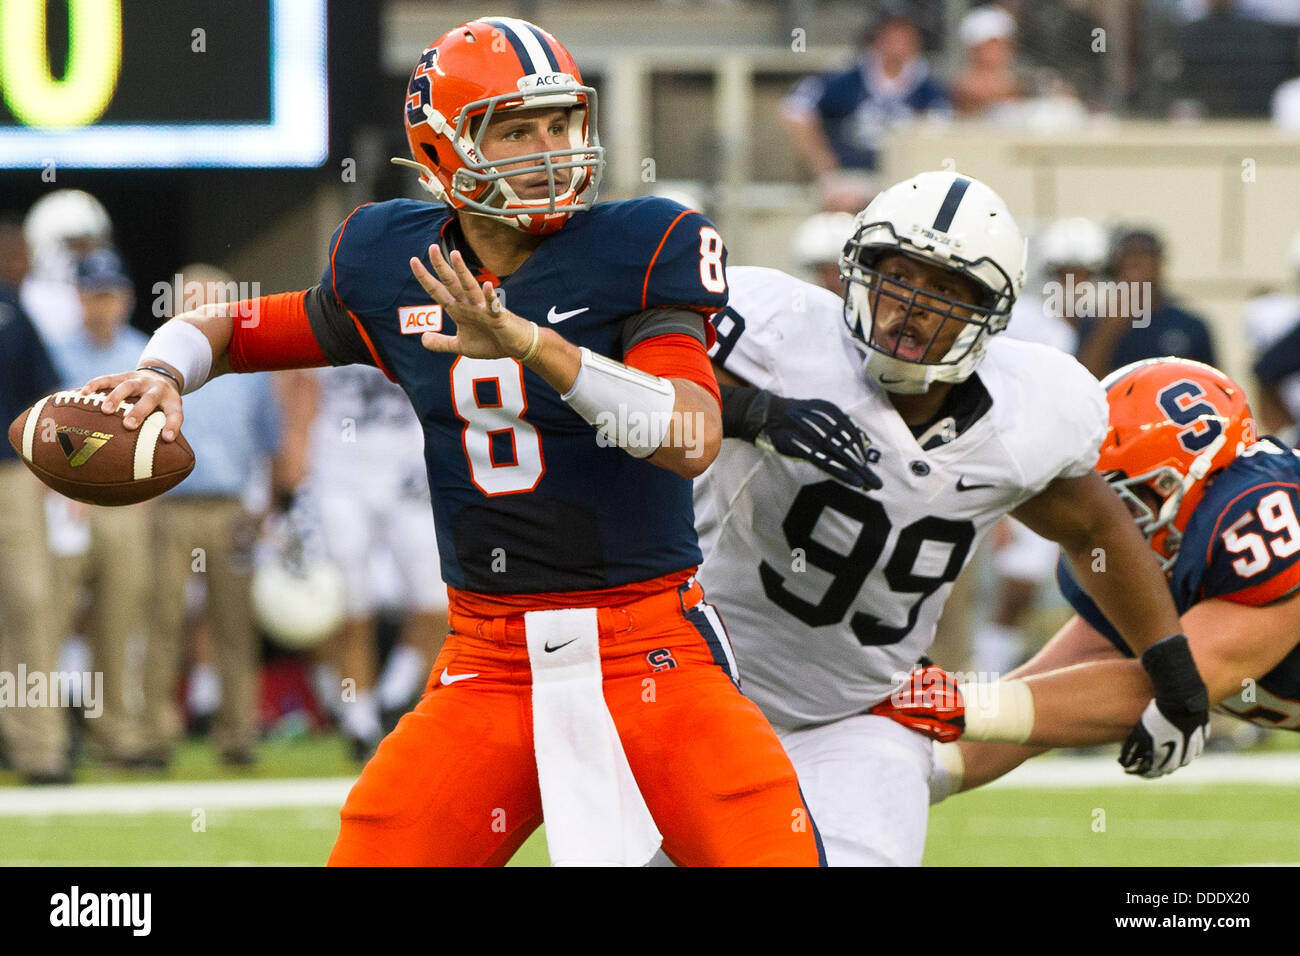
<point x="476" y="71"/>
<point x="1174" y="423"/>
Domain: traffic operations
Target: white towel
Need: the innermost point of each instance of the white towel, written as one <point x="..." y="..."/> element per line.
<point x="595" y="814"/>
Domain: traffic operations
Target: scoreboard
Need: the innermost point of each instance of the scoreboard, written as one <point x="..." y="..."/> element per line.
<point x="158" y="84"/>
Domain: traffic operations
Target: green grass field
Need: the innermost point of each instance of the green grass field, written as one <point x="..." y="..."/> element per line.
<point x="1125" y="824"/>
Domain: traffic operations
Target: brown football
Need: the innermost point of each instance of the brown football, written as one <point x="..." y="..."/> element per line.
<point x="80" y="452"/>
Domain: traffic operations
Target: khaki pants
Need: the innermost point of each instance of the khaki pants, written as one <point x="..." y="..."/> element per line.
<point x="117" y="566"/>
<point x="36" y="737"/>
<point x="210" y="538"/>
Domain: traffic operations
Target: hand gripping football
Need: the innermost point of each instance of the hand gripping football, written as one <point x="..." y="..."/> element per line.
<point x="72" y="446"/>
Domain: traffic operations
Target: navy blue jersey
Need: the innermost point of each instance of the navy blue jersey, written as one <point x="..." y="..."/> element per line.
<point x="856" y="116"/>
<point x="1241" y="544"/>
<point x="525" y="499"/>
<point x="26" y="372"/>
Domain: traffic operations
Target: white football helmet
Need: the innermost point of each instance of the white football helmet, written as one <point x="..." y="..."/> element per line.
<point x="820" y="238"/>
<point x="297" y="592"/>
<point x="1074" y="242"/>
<point x="949" y="220"/>
<point x="55" y="220"/>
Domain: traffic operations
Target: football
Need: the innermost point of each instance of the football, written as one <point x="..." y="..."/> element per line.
<point x="80" y="452"/>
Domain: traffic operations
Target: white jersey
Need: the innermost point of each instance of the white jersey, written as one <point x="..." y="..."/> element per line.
<point x="831" y="594"/>
<point x="366" y="434"/>
<point x="1032" y="321"/>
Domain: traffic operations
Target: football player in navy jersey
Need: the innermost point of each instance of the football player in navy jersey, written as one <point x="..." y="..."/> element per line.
<point x="555" y="352"/>
<point x="1220" y="508"/>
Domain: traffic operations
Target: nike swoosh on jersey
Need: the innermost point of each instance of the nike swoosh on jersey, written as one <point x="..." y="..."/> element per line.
<point x="552" y="650"/>
<point x="447" y="677"/>
<point x="555" y="318"/>
<point x="966" y="487"/>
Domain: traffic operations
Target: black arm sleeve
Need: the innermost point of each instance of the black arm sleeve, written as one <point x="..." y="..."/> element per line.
<point x="744" y="411"/>
<point x="334" y="329"/>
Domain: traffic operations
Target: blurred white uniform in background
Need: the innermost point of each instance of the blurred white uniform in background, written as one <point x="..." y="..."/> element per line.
<point x="366" y="481"/>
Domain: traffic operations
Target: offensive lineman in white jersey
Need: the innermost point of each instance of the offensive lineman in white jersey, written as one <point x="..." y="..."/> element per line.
<point x="831" y="592"/>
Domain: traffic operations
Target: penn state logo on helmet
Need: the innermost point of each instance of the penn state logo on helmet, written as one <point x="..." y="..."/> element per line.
<point x="481" y="70"/>
<point x="941" y="219"/>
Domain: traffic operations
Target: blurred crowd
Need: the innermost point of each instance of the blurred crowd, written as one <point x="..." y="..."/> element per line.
<point x="305" y="483"/>
<point x="1211" y="59"/>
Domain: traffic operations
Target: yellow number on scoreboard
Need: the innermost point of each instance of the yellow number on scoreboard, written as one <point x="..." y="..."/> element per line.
<point x="31" y="92"/>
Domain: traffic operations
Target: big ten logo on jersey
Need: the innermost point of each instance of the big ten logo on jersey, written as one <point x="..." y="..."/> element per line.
<point x="418" y="319"/>
<point x="661" y="659"/>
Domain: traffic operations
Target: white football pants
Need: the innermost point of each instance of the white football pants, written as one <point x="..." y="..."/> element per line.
<point x="866" y="781"/>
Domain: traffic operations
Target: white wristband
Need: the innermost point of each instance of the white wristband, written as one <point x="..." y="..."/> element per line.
<point x="946" y="772"/>
<point x="1002" y="711"/>
<point x="184" y="348"/>
<point x="628" y="407"/>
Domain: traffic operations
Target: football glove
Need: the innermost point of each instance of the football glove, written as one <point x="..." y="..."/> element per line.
<point x="929" y="703"/>
<point x="810" y="429"/>
<point x="1175" y="726"/>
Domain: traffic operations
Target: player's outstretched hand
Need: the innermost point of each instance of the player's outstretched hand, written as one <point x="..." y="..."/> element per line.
<point x="929" y="703"/>
<point x="1166" y="738"/>
<point x="821" y="433"/>
<point x="146" y="391"/>
<point x="485" y="328"/>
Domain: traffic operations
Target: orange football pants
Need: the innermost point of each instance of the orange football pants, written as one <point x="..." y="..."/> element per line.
<point x="455" y="784"/>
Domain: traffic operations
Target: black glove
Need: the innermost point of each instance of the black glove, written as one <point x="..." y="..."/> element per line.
<point x="1175" y="726"/>
<point x="811" y="429"/>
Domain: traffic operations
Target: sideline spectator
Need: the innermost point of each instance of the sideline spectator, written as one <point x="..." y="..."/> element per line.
<point x="1273" y="324"/>
<point x="1232" y="63"/>
<point x="89" y="542"/>
<point x="60" y="229"/>
<point x="837" y="122"/>
<point x="233" y="425"/>
<point x="1153" y="325"/>
<point x="989" y="79"/>
<point x="1072" y="253"/>
<point x="35" y="738"/>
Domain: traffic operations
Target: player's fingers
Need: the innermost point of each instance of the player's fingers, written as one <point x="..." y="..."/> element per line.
<point x="437" y="291"/>
<point x="104" y="383"/>
<point x="447" y="274"/>
<point x="129" y="387"/>
<point x="171" y="406"/>
<point x="437" y="342"/>
<point x="150" y="397"/>
<point x="493" y="301"/>
<point x="468" y="284"/>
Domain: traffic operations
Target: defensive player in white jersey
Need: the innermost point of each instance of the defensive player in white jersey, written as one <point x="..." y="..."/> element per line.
<point x="367" y="483"/>
<point x="831" y="592"/>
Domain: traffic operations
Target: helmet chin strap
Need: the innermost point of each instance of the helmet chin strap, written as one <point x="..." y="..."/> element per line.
<point x="1200" y="467"/>
<point x="427" y="179"/>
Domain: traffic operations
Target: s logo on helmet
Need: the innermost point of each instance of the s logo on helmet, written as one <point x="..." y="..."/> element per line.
<point x="418" y="93"/>
<point x="1181" y="401"/>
